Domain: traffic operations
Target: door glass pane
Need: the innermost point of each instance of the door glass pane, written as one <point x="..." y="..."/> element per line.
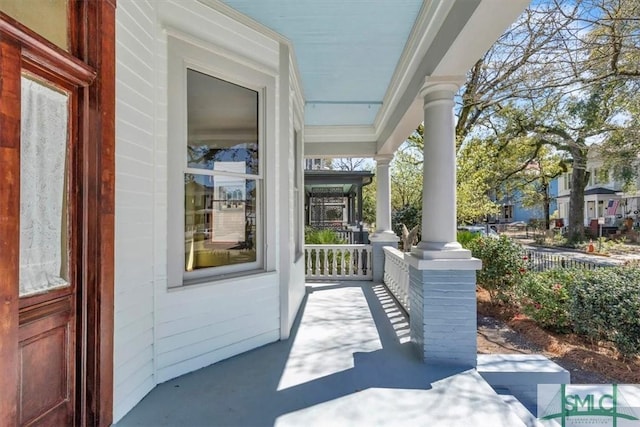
<point x="222" y="127"/>
<point x="220" y="221"/>
<point x="49" y="18"/>
<point x="43" y="171"/>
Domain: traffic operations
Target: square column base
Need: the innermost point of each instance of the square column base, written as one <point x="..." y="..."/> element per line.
<point x="379" y="241"/>
<point x="443" y="319"/>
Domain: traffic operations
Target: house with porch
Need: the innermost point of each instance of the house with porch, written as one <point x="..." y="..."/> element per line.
<point x="604" y="197"/>
<point x="173" y="192"/>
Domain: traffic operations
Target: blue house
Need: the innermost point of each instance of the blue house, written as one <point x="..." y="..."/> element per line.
<point x="513" y="209"/>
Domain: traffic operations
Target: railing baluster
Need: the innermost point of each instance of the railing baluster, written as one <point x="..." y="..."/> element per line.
<point x="338" y="262"/>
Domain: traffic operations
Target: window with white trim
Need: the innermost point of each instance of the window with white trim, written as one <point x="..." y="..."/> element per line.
<point x="219" y="189"/>
<point x="297" y="194"/>
<point x="222" y="174"/>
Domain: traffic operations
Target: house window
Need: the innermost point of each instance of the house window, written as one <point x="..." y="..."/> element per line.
<point x="507" y="212"/>
<point x="222" y="175"/>
<point x="567" y="181"/>
<point x="221" y="186"/>
<point x="297" y="206"/>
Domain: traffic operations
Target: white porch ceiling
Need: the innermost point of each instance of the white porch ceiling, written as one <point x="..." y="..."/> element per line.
<point x="362" y="62"/>
<point x="347" y="50"/>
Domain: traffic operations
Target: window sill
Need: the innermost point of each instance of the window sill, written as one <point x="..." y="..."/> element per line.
<point x="220" y="279"/>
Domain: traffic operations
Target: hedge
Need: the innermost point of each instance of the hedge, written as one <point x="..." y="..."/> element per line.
<point x="602" y="304"/>
<point x="605" y="305"/>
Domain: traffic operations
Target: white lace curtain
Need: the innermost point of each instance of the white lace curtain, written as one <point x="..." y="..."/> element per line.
<point x="43" y="147"/>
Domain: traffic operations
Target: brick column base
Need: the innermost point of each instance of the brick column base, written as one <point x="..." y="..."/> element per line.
<point x="443" y="311"/>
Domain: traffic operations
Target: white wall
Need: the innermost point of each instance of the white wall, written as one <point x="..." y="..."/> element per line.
<point x="135" y="241"/>
<point x="161" y="333"/>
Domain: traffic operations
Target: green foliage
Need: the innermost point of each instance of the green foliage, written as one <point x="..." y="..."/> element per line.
<point x="410" y="216"/>
<point x="406" y="177"/>
<point x="544" y="297"/>
<point x="474" y="182"/>
<point x="503" y="265"/>
<point x="605" y="305"/>
<point x="465" y="237"/>
<point x="602" y="304"/>
<point x="369" y="202"/>
<point x="314" y="236"/>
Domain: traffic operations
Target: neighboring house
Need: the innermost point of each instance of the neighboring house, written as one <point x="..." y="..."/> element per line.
<point x="603" y="196"/>
<point x="174" y="133"/>
<point x="513" y="210"/>
<point x="512" y="203"/>
<point x="333" y="199"/>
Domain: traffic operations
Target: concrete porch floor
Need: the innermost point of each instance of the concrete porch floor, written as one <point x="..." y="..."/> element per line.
<point x="348" y="362"/>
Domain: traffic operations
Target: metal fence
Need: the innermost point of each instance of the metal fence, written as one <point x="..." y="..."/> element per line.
<point x="540" y="261"/>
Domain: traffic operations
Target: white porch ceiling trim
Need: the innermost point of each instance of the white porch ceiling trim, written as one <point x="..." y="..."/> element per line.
<point x="482" y="28"/>
<point x="402" y="109"/>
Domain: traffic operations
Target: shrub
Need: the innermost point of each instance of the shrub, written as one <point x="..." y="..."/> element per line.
<point x="465" y="237"/>
<point x="502" y="265"/>
<point x="314" y="236"/>
<point x="544" y="297"/>
<point x="605" y="305"/>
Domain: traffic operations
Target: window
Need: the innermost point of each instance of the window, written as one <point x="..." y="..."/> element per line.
<point x="507" y="212"/>
<point x="222" y="177"/>
<point x="297" y="184"/>
<point x="220" y="201"/>
<point x="567" y="181"/>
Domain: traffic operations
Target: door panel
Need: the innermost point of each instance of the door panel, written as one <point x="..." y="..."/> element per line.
<point x="46" y="363"/>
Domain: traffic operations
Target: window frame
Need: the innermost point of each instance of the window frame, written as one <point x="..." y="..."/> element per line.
<point x="184" y="54"/>
<point x="298" y="191"/>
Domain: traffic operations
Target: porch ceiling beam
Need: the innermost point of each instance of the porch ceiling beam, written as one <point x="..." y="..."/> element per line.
<point x="340" y="149"/>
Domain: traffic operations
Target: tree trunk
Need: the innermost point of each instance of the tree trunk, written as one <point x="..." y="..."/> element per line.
<point x="546" y="206"/>
<point x="579" y="180"/>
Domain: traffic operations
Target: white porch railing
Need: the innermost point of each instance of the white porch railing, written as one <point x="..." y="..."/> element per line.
<point x="338" y="262"/>
<point x="396" y="275"/>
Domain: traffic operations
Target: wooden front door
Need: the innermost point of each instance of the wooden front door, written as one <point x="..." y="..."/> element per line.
<point x="56" y="214"/>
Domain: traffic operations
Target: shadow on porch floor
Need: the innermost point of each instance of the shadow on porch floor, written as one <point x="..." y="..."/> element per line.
<point x="348" y="362"/>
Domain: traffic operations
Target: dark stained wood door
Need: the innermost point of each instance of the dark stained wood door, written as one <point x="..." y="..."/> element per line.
<point x="56" y="220"/>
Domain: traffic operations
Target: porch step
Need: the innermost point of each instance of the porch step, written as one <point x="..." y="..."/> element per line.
<point x="521" y="374"/>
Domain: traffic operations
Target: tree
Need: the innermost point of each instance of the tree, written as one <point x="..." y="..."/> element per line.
<point x="406" y="187"/>
<point x="351" y="164"/>
<point x="561" y="76"/>
<point x="406" y="178"/>
<point x="369" y="202"/>
<point x="536" y="183"/>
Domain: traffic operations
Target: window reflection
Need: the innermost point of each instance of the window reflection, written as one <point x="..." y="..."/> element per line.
<point x="222" y="125"/>
<point x="220" y="221"/>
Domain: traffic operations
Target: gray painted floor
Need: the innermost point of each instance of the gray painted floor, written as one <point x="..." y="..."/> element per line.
<point x="348" y="362"/>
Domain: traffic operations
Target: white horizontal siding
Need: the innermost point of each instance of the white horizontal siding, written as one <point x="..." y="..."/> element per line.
<point x="161" y="333"/>
<point x="134" y="321"/>
<point x="198" y="326"/>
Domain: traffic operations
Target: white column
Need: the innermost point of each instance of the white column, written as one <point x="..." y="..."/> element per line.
<point x="439" y="239"/>
<point x="384" y="235"/>
<point x="383" y="195"/>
